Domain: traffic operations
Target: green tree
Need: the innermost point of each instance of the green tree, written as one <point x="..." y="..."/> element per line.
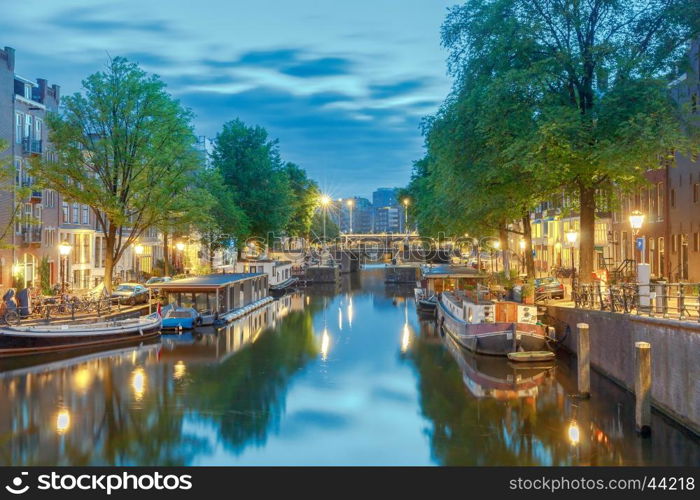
<point x="596" y="75"/>
<point x="124" y="147"/>
<point x="305" y="199"/>
<point x="332" y="229"/>
<point x="221" y="218"/>
<point x="251" y="167"/>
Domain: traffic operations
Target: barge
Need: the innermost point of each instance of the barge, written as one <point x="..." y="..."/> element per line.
<point x="213" y="298"/>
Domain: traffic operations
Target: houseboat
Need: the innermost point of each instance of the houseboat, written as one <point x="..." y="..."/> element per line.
<point x="279" y="272"/>
<point x="215" y="297"/>
<point x="488" y="326"/>
<point x="436" y="279"/>
<point x="496" y="378"/>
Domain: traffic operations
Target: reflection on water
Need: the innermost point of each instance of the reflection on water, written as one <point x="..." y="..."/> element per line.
<point x="339" y="374"/>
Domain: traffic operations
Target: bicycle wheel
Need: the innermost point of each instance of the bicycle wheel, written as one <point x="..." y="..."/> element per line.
<point x="12" y="318"/>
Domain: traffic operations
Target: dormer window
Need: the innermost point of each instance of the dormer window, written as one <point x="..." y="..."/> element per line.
<point x="27" y="91"/>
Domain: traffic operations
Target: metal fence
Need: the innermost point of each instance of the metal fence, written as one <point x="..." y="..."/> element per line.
<point x="667" y="300"/>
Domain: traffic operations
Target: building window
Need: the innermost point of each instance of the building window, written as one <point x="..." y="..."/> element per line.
<point x="674" y="243"/>
<point x="86" y="214"/>
<point x="662" y="260"/>
<point x="76" y="213"/>
<point x="27" y="91"/>
<point x="66" y="214"/>
<point x="38" y="125"/>
<point x="19" y="123"/>
<point x="660" y="201"/>
<point x="27" y="126"/>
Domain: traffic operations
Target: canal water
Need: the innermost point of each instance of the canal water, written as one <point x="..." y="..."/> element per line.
<point x="344" y="374"/>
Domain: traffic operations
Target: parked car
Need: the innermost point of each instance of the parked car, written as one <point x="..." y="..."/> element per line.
<point x="131" y="293"/>
<point x="157" y="279"/>
<point x="549" y="287"/>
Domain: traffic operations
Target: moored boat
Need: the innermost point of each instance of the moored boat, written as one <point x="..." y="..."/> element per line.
<point x="490" y="327"/>
<point x="19" y="341"/>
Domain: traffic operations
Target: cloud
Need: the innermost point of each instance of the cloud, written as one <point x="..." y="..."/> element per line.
<point x="91" y="19"/>
<point x="399" y="88"/>
<point x="325" y="66"/>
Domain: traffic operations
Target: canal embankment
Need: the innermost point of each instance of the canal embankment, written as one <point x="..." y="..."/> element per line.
<point x="675" y="348"/>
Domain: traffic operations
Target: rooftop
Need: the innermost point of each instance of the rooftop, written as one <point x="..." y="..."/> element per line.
<point x="209" y="280"/>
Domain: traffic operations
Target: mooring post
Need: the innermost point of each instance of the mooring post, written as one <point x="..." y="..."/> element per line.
<point x="642" y="387"/>
<point x="584" y="360"/>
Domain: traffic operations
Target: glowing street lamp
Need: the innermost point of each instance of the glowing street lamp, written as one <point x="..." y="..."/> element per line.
<point x="180" y="246"/>
<point x="64" y="249"/>
<point x="325" y="201"/>
<point x="350" y="203"/>
<point x="636" y="223"/>
<point x="138" y="250"/>
<point x="571" y="237"/>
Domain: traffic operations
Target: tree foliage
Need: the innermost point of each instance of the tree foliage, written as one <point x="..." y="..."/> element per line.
<point x="250" y="164"/>
<point x="124" y="147"/>
<point x="551" y="95"/>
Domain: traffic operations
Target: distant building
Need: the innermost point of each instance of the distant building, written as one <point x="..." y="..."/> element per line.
<point x="354" y="215"/>
<point x="384" y="197"/>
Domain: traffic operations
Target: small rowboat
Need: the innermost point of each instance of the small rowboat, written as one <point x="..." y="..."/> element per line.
<point x="530" y="356"/>
<point x="20" y="341"/>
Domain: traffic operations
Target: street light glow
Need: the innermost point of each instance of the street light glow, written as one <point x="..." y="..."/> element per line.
<point x="64" y="248"/>
<point x="636" y="220"/>
<point x="180" y="246"/>
<point x="497" y="244"/>
<point x="571" y="236"/>
<point x="138" y="249"/>
<point x="522" y="244"/>
<point x="325" y="200"/>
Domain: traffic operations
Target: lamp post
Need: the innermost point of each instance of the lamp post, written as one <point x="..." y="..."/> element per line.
<point x="180" y="246"/>
<point x="138" y="250"/>
<point x="497" y="245"/>
<point x="405" y="214"/>
<point x="64" y="249"/>
<point x="636" y="222"/>
<point x="350" y="205"/>
<point x="325" y="201"/>
<point x="571" y="237"/>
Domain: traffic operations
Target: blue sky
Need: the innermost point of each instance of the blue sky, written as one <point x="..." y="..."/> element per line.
<point x="343" y="85"/>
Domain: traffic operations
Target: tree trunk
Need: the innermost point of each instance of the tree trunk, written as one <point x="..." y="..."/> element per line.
<point x="166" y="255"/>
<point x="587" y="234"/>
<point x="505" y="250"/>
<point x="109" y="264"/>
<point x="527" y="236"/>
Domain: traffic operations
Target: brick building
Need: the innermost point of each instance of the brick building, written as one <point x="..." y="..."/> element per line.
<point x="45" y="218"/>
<point x="670" y="201"/>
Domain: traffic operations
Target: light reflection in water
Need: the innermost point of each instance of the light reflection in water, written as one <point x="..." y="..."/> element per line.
<point x="62" y="421"/>
<point x="259" y="399"/>
<point x="138" y="383"/>
<point x="179" y="370"/>
<point x="325" y="344"/>
<point x="574" y="433"/>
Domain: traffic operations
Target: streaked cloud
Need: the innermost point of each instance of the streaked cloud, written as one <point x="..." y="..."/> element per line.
<point x="342" y="85"/>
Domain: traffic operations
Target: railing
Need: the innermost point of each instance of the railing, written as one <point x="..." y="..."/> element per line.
<point x="667" y="300"/>
<point x="31" y="234"/>
<point x="32" y="146"/>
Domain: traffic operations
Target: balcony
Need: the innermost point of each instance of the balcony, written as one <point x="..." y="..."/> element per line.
<point x="31" y="234"/>
<point x="31" y="146"/>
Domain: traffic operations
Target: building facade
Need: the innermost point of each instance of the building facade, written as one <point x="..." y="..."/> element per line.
<point x="36" y="223"/>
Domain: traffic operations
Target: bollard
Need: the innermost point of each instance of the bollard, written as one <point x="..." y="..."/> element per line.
<point x="584" y="360"/>
<point x="642" y="388"/>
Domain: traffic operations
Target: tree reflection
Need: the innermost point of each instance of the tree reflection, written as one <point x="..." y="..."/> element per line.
<point x="469" y="430"/>
<point x="245" y="395"/>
